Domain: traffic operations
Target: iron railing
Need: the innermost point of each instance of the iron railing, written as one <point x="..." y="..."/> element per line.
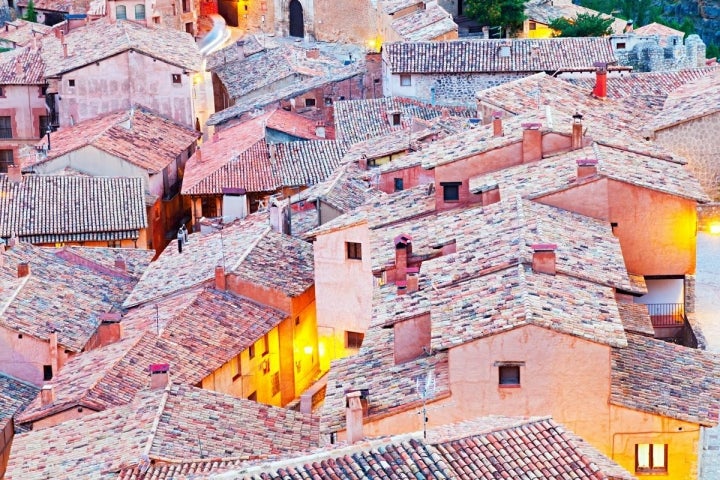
<point x="667" y="314"/>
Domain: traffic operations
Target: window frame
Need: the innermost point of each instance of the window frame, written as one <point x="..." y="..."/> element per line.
<point x="353" y="250"/>
<point x="176" y="78"/>
<point x="6" y="159"/>
<point x="446" y="186"/>
<point x="405" y="80"/>
<point x="139" y="7"/>
<point x="6" y="131"/>
<point x="652" y="469"/>
<point x="310" y="102"/>
<point x="505" y="367"/>
<point x="118" y="9"/>
<point x="357" y="339"/>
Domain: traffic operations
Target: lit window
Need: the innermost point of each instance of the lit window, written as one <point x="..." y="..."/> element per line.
<point x="405" y="80"/>
<point x="509" y="375"/>
<point x="353" y="340"/>
<point x="651" y="457"/>
<point x="140" y="12"/>
<point x="354" y="250"/>
<point x="451" y="191"/>
<point x="120" y="12"/>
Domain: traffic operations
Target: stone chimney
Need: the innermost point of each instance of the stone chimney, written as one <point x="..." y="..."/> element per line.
<point x="354" y="417"/>
<point x="497" y="124"/>
<point x="403" y="250"/>
<point x="489" y="194"/>
<point x="14" y="173"/>
<point x="47" y="394"/>
<point x="23" y="269"/>
<point x="600" y="90"/>
<point x="532" y="142"/>
<point x="220" y="283"/>
<point x="120" y="263"/>
<point x="586" y="167"/>
<point x="110" y="329"/>
<point x="577" y="132"/>
<point x="159" y="375"/>
<point x="543" y="260"/>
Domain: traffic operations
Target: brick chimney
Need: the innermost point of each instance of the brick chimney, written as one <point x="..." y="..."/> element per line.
<point x="413" y="280"/>
<point x="577" y="132"/>
<point x="497" y="124"/>
<point x="354" y="417"/>
<point x="14" y="173"/>
<point x="628" y="27"/>
<point x="220" y="277"/>
<point x="532" y="142"/>
<point x="120" y="263"/>
<point x="586" y="167"/>
<point x="312" y="53"/>
<point x="110" y="329"/>
<point x="65" y="48"/>
<point x="47" y="394"/>
<point x="23" y="269"/>
<point x="600" y="90"/>
<point x="403" y="250"/>
<point x="489" y="194"/>
<point x="58" y="33"/>
<point x="159" y="375"/>
<point x="543" y="260"/>
<point x="198" y="155"/>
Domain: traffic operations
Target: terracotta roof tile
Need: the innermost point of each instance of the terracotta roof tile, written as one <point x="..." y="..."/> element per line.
<point x="545" y="11"/>
<point x="22" y="66"/>
<point x="666" y="379"/>
<point x="307" y="163"/>
<point x="52" y="208"/>
<point x="101" y="39"/>
<point x="636" y="319"/>
<point x="21" y="32"/>
<point x="695" y="99"/>
<point x="425" y="24"/>
<point x="15" y="395"/>
<point x="662" y="31"/>
<point x="483" y="56"/>
<point x="65" y="6"/>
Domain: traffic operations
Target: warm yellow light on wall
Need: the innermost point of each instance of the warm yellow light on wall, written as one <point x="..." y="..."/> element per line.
<point x="308" y="350"/>
<point x="715" y="228"/>
<point x="373" y="45"/>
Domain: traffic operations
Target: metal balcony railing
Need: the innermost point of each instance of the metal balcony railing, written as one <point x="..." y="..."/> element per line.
<point x="667" y="314"/>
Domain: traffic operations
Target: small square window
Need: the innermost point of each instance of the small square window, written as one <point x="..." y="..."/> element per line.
<point x="309" y="102"/>
<point x="405" y="80"/>
<point x="451" y="191"/>
<point x="328" y="101"/>
<point x="2" y="91"/>
<point x="251" y="351"/>
<point x="353" y="340"/>
<point x="354" y="250"/>
<point x="71" y="82"/>
<point x="47" y="372"/>
<point x="651" y="458"/>
<point x="398" y="184"/>
<point x="620" y="46"/>
<point x="532" y="25"/>
<point x="176" y="78"/>
<point x="395" y="119"/>
<point x="509" y="375"/>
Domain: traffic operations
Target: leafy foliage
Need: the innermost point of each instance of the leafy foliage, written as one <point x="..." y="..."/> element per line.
<point x="30" y="13"/>
<point x="510" y="14"/>
<point x="583" y="25"/>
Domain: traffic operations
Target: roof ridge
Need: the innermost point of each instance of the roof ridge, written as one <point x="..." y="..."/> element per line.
<point x="251" y="247"/>
<point x="6" y="305"/>
<point x="156" y="421"/>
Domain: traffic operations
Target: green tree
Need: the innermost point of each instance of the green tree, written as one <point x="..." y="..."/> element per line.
<point x="509" y="14"/>
<point x="583" y="25"/>
<point x="30" y="13"/>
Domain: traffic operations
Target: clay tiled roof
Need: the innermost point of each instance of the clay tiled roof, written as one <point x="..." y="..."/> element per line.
<point x="15" y="395"/>
<point x="21" y="32"/>
<point x="636" y="319"/>
<point x="248" y="249"/>
<point x="545" y="11"/>
<point x="65" y="6"/>
<point x="293" y="124"/>
<point x="559" y="173"/>
<point x="307" y="163"/>
<point x="66" y="290"/>
<point x="424" y="24"/>
<point x="483" y="56"/>
<point x="358" y="120"/>
<point x="666" y="379"/>
<point x="50" y="208"/>
<point x="343" y="190"/>
<point x="22" y="66"/>
<point x="695" y="99"/>
<point x="393" y="6"/>
<point x="662" y="31"/>
<point x="102" y="39"/>
<point x="180" y="422"/>
<point x="138" y="136"/>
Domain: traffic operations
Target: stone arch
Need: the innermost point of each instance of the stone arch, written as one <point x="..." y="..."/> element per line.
<point x="297" y="22"/>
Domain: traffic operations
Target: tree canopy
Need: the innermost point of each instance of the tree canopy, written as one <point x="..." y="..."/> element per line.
<point x="583" y="25"/>
<point x="508" y="14"/>
<point x="30" y="13"/>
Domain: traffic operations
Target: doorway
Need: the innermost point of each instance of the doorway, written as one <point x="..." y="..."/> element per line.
<point x="297" y="24"/>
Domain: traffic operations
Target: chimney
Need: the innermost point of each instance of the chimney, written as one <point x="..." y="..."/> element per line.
<point x="47" y="395"/>
<point x="18" y="68"/>
<point x="543" y="260"/>
<point x="628" y="27"/>
<point x="354" y="417"/>
<point x="198" y="155"/>
<point x="159" y="375"/>
<point x="413" y="280"/>
<point x="531" y="142"/>
<point x="65" y="50"/>
<point x="586" y="167"/>
<point x="444" y="113"/>
<point x="120" y="263"/>
<point x="600" y="90"/>
<point x="363" y="162"/>
<point x="489" y="194"/>
<point x="220" y="277"/>
<point x="110" y="329"/>
<point x="23" y="269"/>
<point x="497" y="124"/>
<point x="312" y="53"/>
<point x="577" y="132"/>
<point x="14" y="173"/>
<point x="403" y="250"/>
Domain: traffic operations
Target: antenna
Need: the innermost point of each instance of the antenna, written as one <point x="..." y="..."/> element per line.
<point x="425" y="389"/>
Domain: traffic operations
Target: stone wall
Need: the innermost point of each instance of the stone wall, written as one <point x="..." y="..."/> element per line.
<point x="645" y="54"/>
<point x="708" y="213"/>
<point x="455" y="89"/>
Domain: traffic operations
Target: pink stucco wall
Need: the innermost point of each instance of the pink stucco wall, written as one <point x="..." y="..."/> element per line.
<point x="23" y="358"/>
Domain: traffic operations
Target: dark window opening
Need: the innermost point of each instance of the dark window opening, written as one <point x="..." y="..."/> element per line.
<point x="398" y="184"/>
<point x="451" y="191"/>
<point x="620" y="46"/>
<point x="353" y="340"/>
<point x="253" y="396"/>
<point x="176" y="78"/>
<point x="251" y="351"/>
<point x="309" y="102"/>
<point x="328" y="101"/>
<point x="6" y="127"/>
<point x="266" y="342"/>
<point x="6" y="159"/>
<point x="395" y="119"/>
<point x="47" y="372"/>
<point x="71" y="82"/>
<point x="532" y="25"/>
<point x="509" y="375"/>
<point x="354" y="250"/>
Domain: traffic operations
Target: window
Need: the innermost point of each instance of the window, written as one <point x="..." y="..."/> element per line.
<point x="532" y="25"/>
<point x="251" y="351"/>
<point x="405" y="80"/>
<point x="266" y="344"/>
<point x="44" y="123"/>
<point x="253" y="396"/>
<point x="651" y="458"/>
<point x="121" y="12"/>
<point x="309" y="102"/>
<point x="395" y="119"/>
<point x="176" y="78"/>
<point x="2" y="91"/>
<point x="47" y="372"/>
<point x="451" y="191"/>
<point x="186" y="6"/>
<point x="71" y="82"/>
<point x="398" y="184"/>
<point x="6" y="159"/>
<point x="620" y="46"/>
<point x="140" y="12"/>
<point x="353" y="340"/>
<point x="328" y="101"/>
<point x="354" y="250"/>
<point x="275" y="384"/>
<point x="5" y="127"/>
<point x="509" y="375"/>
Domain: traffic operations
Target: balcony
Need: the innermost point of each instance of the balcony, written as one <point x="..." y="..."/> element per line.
<point x="670" y="323"/>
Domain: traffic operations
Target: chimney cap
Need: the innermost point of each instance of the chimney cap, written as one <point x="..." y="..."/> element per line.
<point x="110" y="317"/>
<point x="531" y="125"/>
<point x="577" y="116"/>
<point x="497" y="114"/>
<point x="602" y="66"/>
<point x="159" y="367"/>
<point x="586" y="162"/>
<point x="402" y="240"/>
<point x="544" y="247"/>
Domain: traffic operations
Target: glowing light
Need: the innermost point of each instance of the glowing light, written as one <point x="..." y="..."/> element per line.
<point x="715" y="228"/>
<point x="308" y="350"/>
